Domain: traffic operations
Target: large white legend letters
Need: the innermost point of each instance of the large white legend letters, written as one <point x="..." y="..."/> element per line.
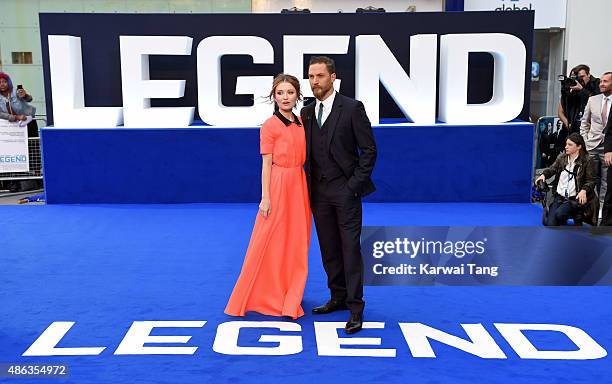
<point x="66" y="69"/>
<point x="375" y="64"/>
<point x="138" y="89"/>
<point x="509" y="56"/>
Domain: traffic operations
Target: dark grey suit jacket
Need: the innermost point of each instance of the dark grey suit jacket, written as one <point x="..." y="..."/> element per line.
<point x="608" y="136"/>
<point x="350" y="142"/>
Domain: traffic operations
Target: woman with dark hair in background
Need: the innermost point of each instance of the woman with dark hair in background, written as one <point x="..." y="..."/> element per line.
<point x="275" y="267"/>
<point x="574" y="184"/>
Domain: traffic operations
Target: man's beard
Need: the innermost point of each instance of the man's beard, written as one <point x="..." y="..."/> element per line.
<point x="320" y="92"/>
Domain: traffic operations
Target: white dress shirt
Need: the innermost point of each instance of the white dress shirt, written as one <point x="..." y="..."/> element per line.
<point x="567" y="183"/>
<point x="327" y="106"/>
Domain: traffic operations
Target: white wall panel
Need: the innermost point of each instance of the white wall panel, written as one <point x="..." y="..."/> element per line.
<point x="589" y="36"/>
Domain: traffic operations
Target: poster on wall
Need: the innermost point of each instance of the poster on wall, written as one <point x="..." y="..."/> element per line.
<point x="13" y="147"/>
<point x="548" y="13"/>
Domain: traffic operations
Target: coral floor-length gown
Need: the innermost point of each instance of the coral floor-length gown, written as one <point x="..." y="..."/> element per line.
<point x="275" y="267"/>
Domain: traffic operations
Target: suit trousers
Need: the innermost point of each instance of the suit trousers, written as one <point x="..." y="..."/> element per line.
<point x="338" y="215"/>
<point x="601" y="171"/>
<point x="562" y="210"/>
<point x="607" y="205"/>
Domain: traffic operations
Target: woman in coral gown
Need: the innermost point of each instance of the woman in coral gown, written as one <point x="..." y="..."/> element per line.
<point x="275" y="267"/>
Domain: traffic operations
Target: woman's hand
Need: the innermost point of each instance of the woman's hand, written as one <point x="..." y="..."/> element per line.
<point x="582" y="197"/>
<point x="264" y="207"/>
<point x="541" y="178"/>
<point x="22" y="117"/>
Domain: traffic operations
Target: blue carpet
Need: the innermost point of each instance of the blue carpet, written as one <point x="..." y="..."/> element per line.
<point x="104" y="267"/>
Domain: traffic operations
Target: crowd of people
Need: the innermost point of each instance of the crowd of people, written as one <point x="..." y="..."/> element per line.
<point x="581" y="178"/>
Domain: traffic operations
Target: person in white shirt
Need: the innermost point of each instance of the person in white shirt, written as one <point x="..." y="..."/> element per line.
<point x="574" y="183"/>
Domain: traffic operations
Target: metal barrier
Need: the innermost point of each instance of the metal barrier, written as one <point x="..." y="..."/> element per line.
<point x="35" y="155"/>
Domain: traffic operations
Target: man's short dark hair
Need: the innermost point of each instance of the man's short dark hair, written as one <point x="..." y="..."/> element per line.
<point x="581" y="67"/>
<point x="329" y="63"/>
<point x="606" y="74"/>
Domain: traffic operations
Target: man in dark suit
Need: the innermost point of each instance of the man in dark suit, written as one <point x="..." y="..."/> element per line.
<point x="606" y="216"/>
<point x="341" y="153"/>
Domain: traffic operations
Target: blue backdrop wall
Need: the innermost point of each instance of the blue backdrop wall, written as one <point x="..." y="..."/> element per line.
<point x="440" y="163"/>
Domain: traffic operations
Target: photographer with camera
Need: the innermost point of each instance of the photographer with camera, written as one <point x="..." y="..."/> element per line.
<point x="575" y="92"/>
<point x="573" y="187"/>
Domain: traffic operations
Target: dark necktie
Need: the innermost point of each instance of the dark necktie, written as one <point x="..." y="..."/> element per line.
<point x="320" y="115"/>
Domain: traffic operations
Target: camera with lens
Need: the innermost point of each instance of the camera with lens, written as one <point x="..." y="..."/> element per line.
<point x="542" y="186"/>
<point x="567" y="82"/>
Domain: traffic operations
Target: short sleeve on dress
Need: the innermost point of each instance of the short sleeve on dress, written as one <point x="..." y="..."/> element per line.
<point x="266" y="138"/>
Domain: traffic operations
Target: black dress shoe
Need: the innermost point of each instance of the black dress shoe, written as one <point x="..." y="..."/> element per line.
<point x="354" y="324"/>
<point x="330" y="306"/>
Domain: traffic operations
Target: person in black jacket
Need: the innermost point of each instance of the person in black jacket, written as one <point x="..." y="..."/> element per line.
<point x="340" y="157"/>
<point x="574" y="184"/>
<point x="574" y="98"/>
<point x="607" y="204"/>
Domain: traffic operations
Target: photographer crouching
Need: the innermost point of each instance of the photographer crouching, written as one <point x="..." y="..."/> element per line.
<point x="575" y="92"/>
<point x="573" y="189"/>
